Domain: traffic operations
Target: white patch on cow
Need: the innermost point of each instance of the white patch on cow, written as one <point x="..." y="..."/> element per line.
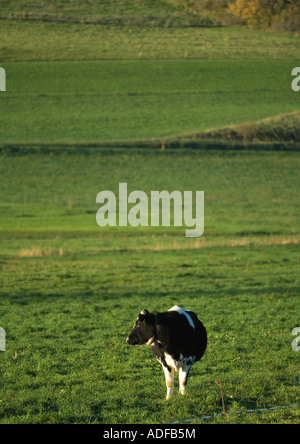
<point x="176" y="365"/>
<point x="171" y="361"/>
<point x="151" y="340"/>
<point x="169" y="376"/>
<point x="181" y="311"/>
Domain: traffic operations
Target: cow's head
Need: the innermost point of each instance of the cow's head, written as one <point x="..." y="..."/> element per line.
<point x="143" y="331"/>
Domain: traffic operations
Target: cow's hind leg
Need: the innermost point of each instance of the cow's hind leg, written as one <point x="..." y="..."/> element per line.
<point x="169" y="375"/>
<point x="183" y="377"/>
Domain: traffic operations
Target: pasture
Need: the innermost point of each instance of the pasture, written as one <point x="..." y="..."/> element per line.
<point x="92" y="92"/>
<point x="109" y="102"/>
<point x="70" y="291"/>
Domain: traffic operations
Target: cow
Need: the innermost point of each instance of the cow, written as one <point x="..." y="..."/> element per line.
<point x="177" y="339"/>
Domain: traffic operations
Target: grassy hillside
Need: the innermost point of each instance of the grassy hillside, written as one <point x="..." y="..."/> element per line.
<point x="279" y="15"/>
<point x="138" y="101"/>
<point x="122" y="83"/>
<point x="145" y="13"/>
<point x="280" y="131"/>
<point x="42" y="41"/>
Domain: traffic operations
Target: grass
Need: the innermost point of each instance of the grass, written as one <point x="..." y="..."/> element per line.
<point x="70" y="292"/>
<point x="74" y="42"/>
<point x="66" y="201"/>
<point x="133" y="12"/>
<point x="91" y="84"/>
<point x="80" y="81"/>
<point x="282" y="130"/>
<point x="72" y="362"/>
<point x="134" y="101"/>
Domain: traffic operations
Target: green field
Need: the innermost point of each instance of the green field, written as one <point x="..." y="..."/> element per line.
<point x="92" y="91"/>
<point x="72" y="84"/>
<point x="71" y="291"/>
<point x="131" y="101"/>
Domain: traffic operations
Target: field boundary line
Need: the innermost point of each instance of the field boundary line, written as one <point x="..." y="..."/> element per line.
<point x="56" y="148"/>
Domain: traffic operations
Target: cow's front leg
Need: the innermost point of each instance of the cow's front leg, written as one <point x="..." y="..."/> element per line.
<point x="169" y="375"/>
<point x="183" y="378"/>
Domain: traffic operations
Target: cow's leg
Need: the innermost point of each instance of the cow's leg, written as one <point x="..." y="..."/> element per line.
<point x="183" y="377"/>
<point x="169" y="375"/>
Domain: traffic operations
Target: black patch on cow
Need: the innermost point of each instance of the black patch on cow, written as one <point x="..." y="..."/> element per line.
<point x="177" y="337"/>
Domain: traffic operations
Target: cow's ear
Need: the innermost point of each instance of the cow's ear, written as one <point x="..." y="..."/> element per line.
<point x="142" y="316"/>
<point x="149" y="318"/>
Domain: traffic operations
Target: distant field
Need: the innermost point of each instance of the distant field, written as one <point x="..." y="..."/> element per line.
<point x="131" y="101"/>
<point x="27" y="41"/>
<point x="75" y="83"/>
<point x="90" y="84"/>
<point x="105" y="12"/>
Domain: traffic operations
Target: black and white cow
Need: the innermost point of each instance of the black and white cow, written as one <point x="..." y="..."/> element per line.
<point x="177" y="339"/>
